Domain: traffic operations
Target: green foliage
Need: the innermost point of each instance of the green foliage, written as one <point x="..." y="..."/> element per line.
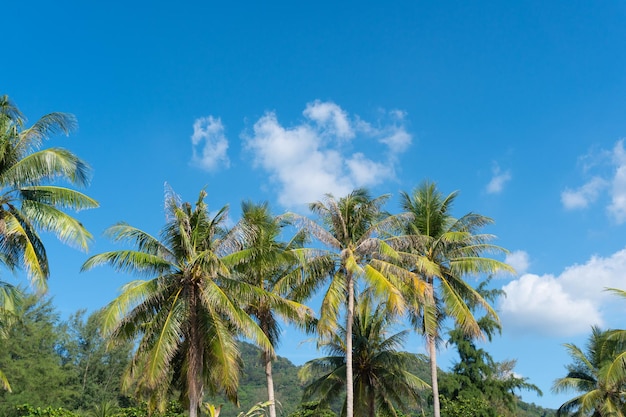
<point x="312" y="409"/>
<point x="444" y="251"/>
<point x="476" y="376"/>
<point x="98" y="369"/>
<point x="59" y="364"/>
<point x="29" y="411"/>
<point x="28" y="201"/>
<point x="172" y="409"/>
<point x="31" y="355"/>
<point x="253" y="388"/>
<point x="466" y="407"/>
<point x="382" y="381"/>
<point x="589" y="375"/>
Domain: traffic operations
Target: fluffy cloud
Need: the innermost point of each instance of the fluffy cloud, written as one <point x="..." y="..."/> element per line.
<point x="540" y="304"/>
<point x="566" y="304"/>
<point x="316" y="157"/>
<point x="614" y="182"/>
<point x="498" y="180"/>
<point x="330" y="118"/>
<point x="209" y="144"/>
<point x="518" y="260"/>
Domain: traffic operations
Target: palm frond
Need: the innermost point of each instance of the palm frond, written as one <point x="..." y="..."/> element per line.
<point x="67" y="229"/>
<point x="130" y="261"/>
<point x="46" y="164"/>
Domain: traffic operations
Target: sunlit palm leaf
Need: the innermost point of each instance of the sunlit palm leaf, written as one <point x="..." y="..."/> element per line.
<point x="60" y="197"/>
<point x="67" y="229"/>
<point x="46" y="164"/>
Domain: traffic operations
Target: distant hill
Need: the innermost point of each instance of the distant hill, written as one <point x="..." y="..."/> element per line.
<point x="252" y="388"/>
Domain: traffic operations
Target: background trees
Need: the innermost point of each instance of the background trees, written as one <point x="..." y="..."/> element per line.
<point x="382" y="380"/>
<point x="477" y="382"/>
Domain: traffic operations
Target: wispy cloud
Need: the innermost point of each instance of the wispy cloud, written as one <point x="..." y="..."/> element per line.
<point x="612" y="182"/>
<point x="209" y="144"/>
<point x="618" y="187"/>
<point x="563" y="305"/>
<point x="318" y="156"/>
<point x="584" y="195"/>
<point x="519" y="261"/>
<point x="498" y="180"/>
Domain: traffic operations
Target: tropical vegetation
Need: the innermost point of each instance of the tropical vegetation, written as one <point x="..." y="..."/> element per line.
<point x="196" y="331"/>
<point x="188" y="314"/>
<point x="382" y="380"/>
<point x="29" y="200"/>
<point x="354" y="227"/>
<point x="445" y="251"/>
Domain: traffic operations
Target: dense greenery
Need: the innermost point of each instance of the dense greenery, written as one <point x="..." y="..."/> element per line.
<point x="59" y="364"/>
<point x="81" y="375"/>
<point x="171" y="344"/>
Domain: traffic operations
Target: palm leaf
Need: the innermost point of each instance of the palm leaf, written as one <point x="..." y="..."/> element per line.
<point x="46" y="164"/>
<point x="67" y="228"/>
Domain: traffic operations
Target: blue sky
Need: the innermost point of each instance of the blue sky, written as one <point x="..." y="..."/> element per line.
<point x="518" y="105"/>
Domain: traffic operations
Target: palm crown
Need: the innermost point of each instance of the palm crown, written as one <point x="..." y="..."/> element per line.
<point x="28" y="201"/>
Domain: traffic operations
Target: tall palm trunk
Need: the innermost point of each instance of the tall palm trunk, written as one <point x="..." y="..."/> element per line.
<point x="270" y="382"/>
<point x="371" y="406"/>
<point x="349" y="319"/>
<point x="194" y="380"/>
<point x="432" y="351"/>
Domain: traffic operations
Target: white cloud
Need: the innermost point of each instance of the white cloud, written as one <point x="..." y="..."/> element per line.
<point x="581" y="197"/>
<point x="397" y="139"/>
<point x="209" y="144"/>
<point x="618" y="190"/>
<point x="564" y="305"/>
<point x="331" y="118"/>
<point x="498" y="180"/>
<point x="614" y="182"/>
<point x="313" y="158"/>
<point x="367" y="172"/>
<point x="541" y="305"/>
<point x="518" y="260"/>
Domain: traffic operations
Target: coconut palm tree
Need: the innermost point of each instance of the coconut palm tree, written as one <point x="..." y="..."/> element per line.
<point x="273" y="266"/>
<point x="445" y="250"/>
<point x="616" y="372"/>
<point x="187" y="315"/>
<point x="354" y="228"/>
<point x="11" y="303"/>
<point x="588" y="375"/>
<point x="382" y="380"/>
<point x="28" y="200"/>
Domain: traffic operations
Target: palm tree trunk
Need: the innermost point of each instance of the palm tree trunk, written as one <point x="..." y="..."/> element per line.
<point x="349" y="378"/>
<point x="432" y="351"/>
<point x="194" y="372"/>
<point x="270" y="383"/>
<point x="371" y="402"/>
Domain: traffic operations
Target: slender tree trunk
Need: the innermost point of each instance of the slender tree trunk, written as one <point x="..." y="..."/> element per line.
<point x="194" y="371"/>
<point x="270" y="383"/>
<point x="349" y="378"/>
<point x="372" y="402"/>
<point x="432" y="351"/>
